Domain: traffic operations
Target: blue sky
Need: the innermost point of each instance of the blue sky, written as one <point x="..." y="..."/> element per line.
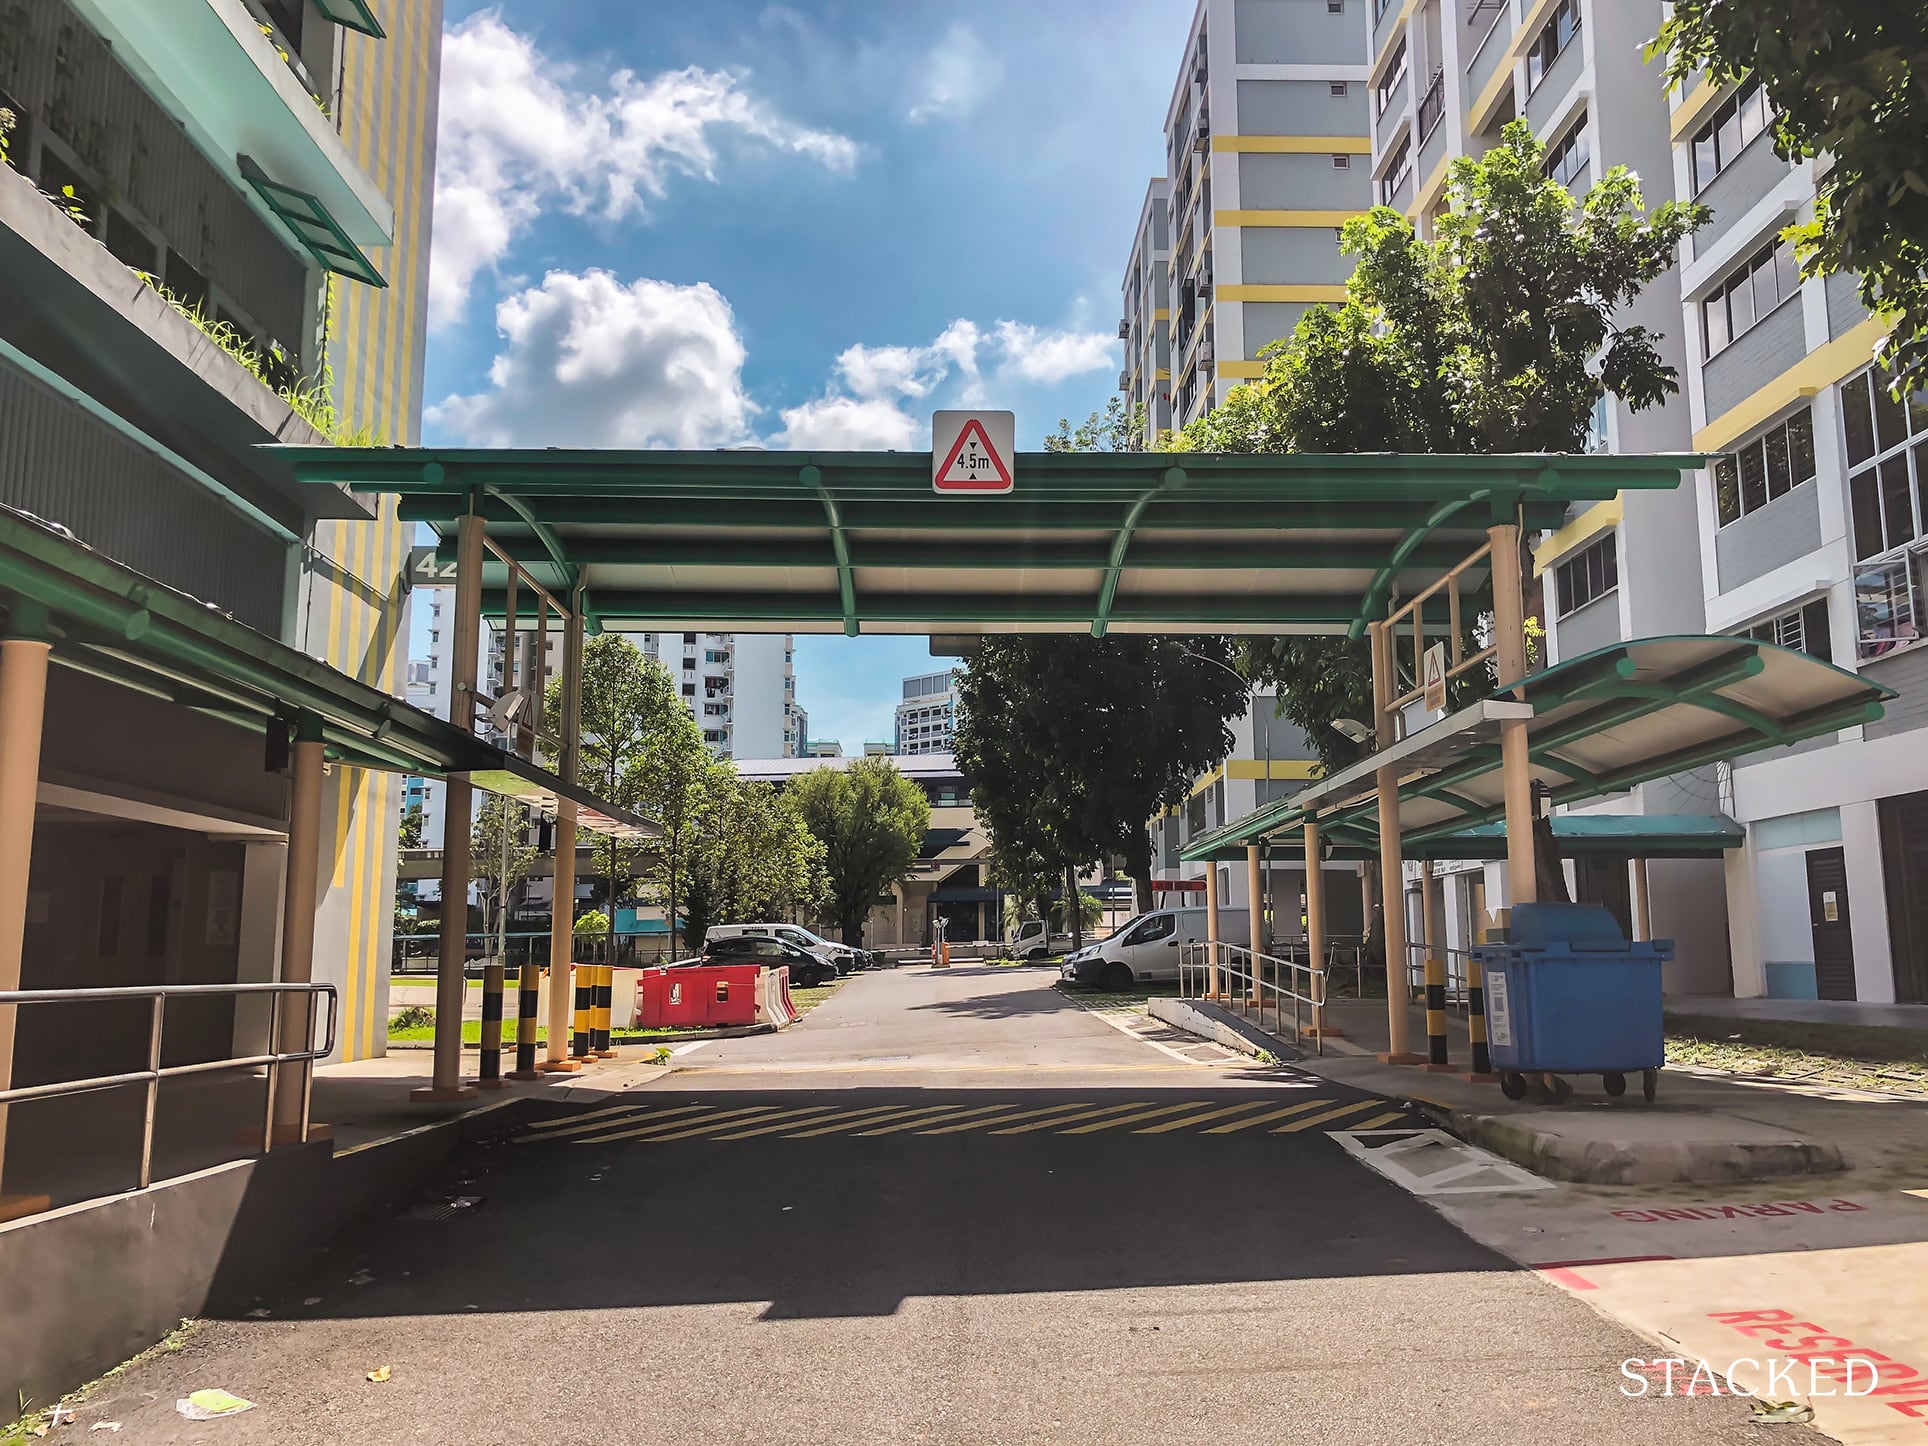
<point x="809" y="225"/>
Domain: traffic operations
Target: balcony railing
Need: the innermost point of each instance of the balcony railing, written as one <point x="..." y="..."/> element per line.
<point x="1432" y="109"/>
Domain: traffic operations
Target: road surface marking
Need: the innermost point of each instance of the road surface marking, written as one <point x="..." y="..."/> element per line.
<point x="1334" y="1114"/>
<point x="893" y="1112"/>
<point x="630" y="1111"/>
<point x="651" y="1129"/>
<point x="1380" y="1122"/>
<point x="1013" y="1119"/>
<point x="957" y="1114"/>
<point x="1091" y="1114"/>
<point x="1141" y="1116"/>
<point x="800" y="1116"/>
<point x="776" y="1129"/>
<point x="1189" y="1120"/>
<point x="1266" y="1118"/>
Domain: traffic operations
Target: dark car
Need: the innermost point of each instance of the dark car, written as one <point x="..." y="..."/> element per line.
<point x="806" y="969"/>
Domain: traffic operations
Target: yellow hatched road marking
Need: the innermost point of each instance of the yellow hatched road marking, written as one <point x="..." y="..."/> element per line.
<point x="954" y="1114"/>
<point x="1338" y="1114"/>
<point x="600" y="1119"/>
<point x="1013" y="1119"/>
<point x="1379" y="1122"/>
<point x="879" y="1117"/>
<point x="1150" y="1114"/>
<point x="650" y="1129"/>
<point x="703" y="1127"/>
<point x="1071" y="1119"/>
<point x="1190" y="1120"/>
<point x="1266" y="1118"/>
<point x="769" y="1129"/>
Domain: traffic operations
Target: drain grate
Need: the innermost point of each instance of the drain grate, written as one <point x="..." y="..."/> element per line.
<point x="435" y="1210"/>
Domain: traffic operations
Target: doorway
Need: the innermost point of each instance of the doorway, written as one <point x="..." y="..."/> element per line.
<point x="1904" y="868"/>
<point x="1827" y="883"/>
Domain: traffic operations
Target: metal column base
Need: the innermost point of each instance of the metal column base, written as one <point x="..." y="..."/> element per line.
<point x="17" y="1207"/>
<point x="1407" y="1058"/>
<point x="430" y="1095"/>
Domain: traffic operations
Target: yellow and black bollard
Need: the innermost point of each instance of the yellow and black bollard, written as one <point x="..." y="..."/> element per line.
<point x="491" y="1071"/>
<point x="1436" y="1060"/>
<point x="584" y="1007"/>
<point x="528" y="995"/>
<point x="1476" y="1023"/>
<point x="605" y="999"/>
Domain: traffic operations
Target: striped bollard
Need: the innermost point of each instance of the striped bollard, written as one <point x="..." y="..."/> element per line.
<point x="1476" y="1024"/>
<point x="605" y="999"/>
<point x="491" y="1071"/>
<point x="528" y="995"/>
<point x="1436" y="1060"/>
<point x="584" y="1002"/>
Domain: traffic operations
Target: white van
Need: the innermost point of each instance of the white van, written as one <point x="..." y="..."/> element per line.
<point x="1032" y="943"/>
<point x="1149" y="946"/>
<point x="846" y="959"/>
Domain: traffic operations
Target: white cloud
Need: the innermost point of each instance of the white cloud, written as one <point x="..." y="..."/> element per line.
<point x="590" y="362"/>
<point x="1049" y="357"/>
<point x="955" y="78"/>
<point x="519" y="132"/>
<point x="849" y="424"/>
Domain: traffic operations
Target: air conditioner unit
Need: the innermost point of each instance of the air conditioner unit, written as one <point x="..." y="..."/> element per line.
<point x="1201" y="143"/>
<point x="1205" y="288"/>
<point x="1205" y="351"/>
<point x="1198" y="71"/>
<point x="1124" y="331"/>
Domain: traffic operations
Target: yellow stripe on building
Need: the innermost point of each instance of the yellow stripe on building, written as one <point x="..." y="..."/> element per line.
<point x="1332" y="294"/>
<point x="1693" y="110"/>
<point x="1599" y="518"/>
<point x="1812" y="375"/>
<point x="1406" y="13"/>
<point x="1530" y="24"/>
<point x="1296" y="145"/>
<point x="1242" y="371"/>
<point x="1333" y="219"/>
<point x="1429" y="193"/>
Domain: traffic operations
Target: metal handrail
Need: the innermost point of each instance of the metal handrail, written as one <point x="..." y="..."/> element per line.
<point x="155" y="1072"/>
<point x="1458" y="978"/>
<point x="1213" y="961"/>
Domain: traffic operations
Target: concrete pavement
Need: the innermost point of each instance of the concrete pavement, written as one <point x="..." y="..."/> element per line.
<point x="853" y="1232"/>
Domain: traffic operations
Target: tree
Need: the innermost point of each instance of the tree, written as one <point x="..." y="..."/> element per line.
<point x="628" y="703"/>
<point x="871" y="822"/>
<point x="1499" y="336"/>
<point x="668" y="779"/>
<point x="1116" y="429"/>
<point x="750" y="857"/>
<point x="1072" y="743"/>
<point x="499" y="855"/>
<point x="411" y="830"/>
<point x="1844" y="79"/>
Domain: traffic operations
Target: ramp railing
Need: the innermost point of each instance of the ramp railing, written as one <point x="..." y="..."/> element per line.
<point x="1245" y="980"/>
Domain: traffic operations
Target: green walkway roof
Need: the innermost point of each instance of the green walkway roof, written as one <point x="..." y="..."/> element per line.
<point x="858" y="542"/>
<point x="116" y="624"/>
<point x="1599" y="724"/>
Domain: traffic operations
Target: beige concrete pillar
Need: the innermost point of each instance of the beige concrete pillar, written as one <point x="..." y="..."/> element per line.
<point x="1509" y="649"/>
<point x="23" y="706"/>
<point x="299" y="890"/>
<point x="451" y="987"/>
<point x="1211" y="929"/>
<point x="1643" y="904"/>
<point x="1392" y="880"/>
<point x="562" y="898"/>
<point x="1254" y="891"/>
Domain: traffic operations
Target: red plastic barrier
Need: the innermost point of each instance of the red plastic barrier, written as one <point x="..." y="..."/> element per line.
<point x="699" y="995"/>
<point x="777" y="1007"/>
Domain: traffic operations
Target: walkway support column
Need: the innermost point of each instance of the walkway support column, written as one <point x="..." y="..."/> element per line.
<point x="562" y="896"/>
<point x="1255" y="891"/>
<point x="23" y="707"/>
<point x="451" y="985"/>
<point x="1434" y="945"/>
<point x="1509" y="656"/>
<point x="1211" y="929"/>
<point x="1315" y="938"/>
<point x="1392" y="872"/>
<point x="1643" y="904"/>
<point x="296" y="1030"/>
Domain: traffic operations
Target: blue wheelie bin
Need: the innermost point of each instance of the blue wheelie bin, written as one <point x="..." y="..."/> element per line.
<point x="1569" y="994"/>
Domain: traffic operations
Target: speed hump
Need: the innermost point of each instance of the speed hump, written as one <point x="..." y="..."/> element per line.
<point x="973" y="451"/>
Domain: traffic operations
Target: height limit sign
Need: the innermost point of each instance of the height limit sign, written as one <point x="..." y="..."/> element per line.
<point x="973" y="451"/>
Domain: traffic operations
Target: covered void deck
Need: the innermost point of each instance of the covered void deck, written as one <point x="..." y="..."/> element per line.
<point x="163" y="830"/>
<point x="1403" y="549"/>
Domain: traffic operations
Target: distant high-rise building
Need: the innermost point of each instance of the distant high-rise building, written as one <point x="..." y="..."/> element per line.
<point x="927" y="717"/>
<point x="1146" y="329"/>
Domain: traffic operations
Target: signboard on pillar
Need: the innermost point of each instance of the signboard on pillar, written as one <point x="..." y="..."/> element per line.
<point x="973" y="451"/>
<point x="1433" y="673"/>
<point x="425" y="569"/>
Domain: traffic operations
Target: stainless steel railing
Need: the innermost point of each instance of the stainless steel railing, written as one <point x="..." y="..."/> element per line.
<point x="1243" y="979"/>
<point x="155" y="1072"/>
<point x="1458" y="979"/>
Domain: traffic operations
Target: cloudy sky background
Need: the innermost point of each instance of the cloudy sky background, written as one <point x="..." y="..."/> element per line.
<point x="810" y="225"/>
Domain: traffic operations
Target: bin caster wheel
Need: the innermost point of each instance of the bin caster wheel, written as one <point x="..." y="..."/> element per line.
<point x="1513" y="1084"/>
<point x="1614" y="1083"/>
<point x="1649" y="1083"/>
<point x="1554" y="1090"/>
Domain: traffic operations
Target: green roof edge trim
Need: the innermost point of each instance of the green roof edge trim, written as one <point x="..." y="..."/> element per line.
<point x="354" y="15"/>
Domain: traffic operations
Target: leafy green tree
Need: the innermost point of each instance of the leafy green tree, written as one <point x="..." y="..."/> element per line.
<point x="499" y="855"/>
<point x="1500" y="335"/>
<point x="1117" y="428"/>
<point x="1072" y="743"/>
<point x="668" y="779"/>
<point x="871" y="822"/>
<point x="751" y="857"/>
<point x="593" y="924"/>
<point x="410" y="836"/>
<point x="1846" y="80"/>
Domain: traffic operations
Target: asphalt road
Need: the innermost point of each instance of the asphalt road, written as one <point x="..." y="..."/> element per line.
<point x="945" y="1208"/>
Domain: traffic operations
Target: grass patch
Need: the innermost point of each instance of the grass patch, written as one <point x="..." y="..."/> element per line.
<point x="417" y="1031"/>
<point x="1846" y="1055"/>
<point x="36" y="1424"/>
<point x="808" y="999"/>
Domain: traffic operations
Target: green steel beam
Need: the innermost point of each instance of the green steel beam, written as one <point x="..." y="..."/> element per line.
<point x="840" y="546"/>
<point x="1375" y="600"/>
<point x="1172" y="481"/>
<point x="551" y="544"/>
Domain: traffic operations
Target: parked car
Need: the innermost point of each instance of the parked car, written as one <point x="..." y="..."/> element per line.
<point x="1032" y="943"/>
<point x="843" y="956"/>
<point x="806" y="969"/>
<point x="1148" y="946"/>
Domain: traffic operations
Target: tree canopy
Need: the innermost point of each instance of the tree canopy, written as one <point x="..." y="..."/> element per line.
<point x="1500" y="335"/>
<point x="500" y="856"/>
<point x="871" y="822"/>
<point x="1844" y="79"/>
<point x="750" y="857"/>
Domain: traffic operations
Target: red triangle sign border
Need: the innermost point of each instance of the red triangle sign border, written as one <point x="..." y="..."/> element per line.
<point x="1001" y="483"/>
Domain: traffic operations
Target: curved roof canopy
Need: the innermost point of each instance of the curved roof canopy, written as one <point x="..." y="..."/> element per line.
<point x="858" y="542"/>
<point x="1598" y="724"/>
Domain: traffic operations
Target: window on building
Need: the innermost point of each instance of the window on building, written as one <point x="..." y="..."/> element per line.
<point x="1571" y="155"/>
<point x="1764" y="467"/>
<point x="1561" y="27"/>
<point x="1718" y="144"/>
<point x="1589" y="575"/>
<point x="1599" y="434"/>
<point x="1340" y="89"/>
<point x="1342" y="163"/>
<point x="689" y="690"/>
<point x="1745" y="298"/>
<point x="1887" y="445"/>
<point x="1389" y="82"/>
<point x="1804" y="629"/>
<point x="1398" y="173"/>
